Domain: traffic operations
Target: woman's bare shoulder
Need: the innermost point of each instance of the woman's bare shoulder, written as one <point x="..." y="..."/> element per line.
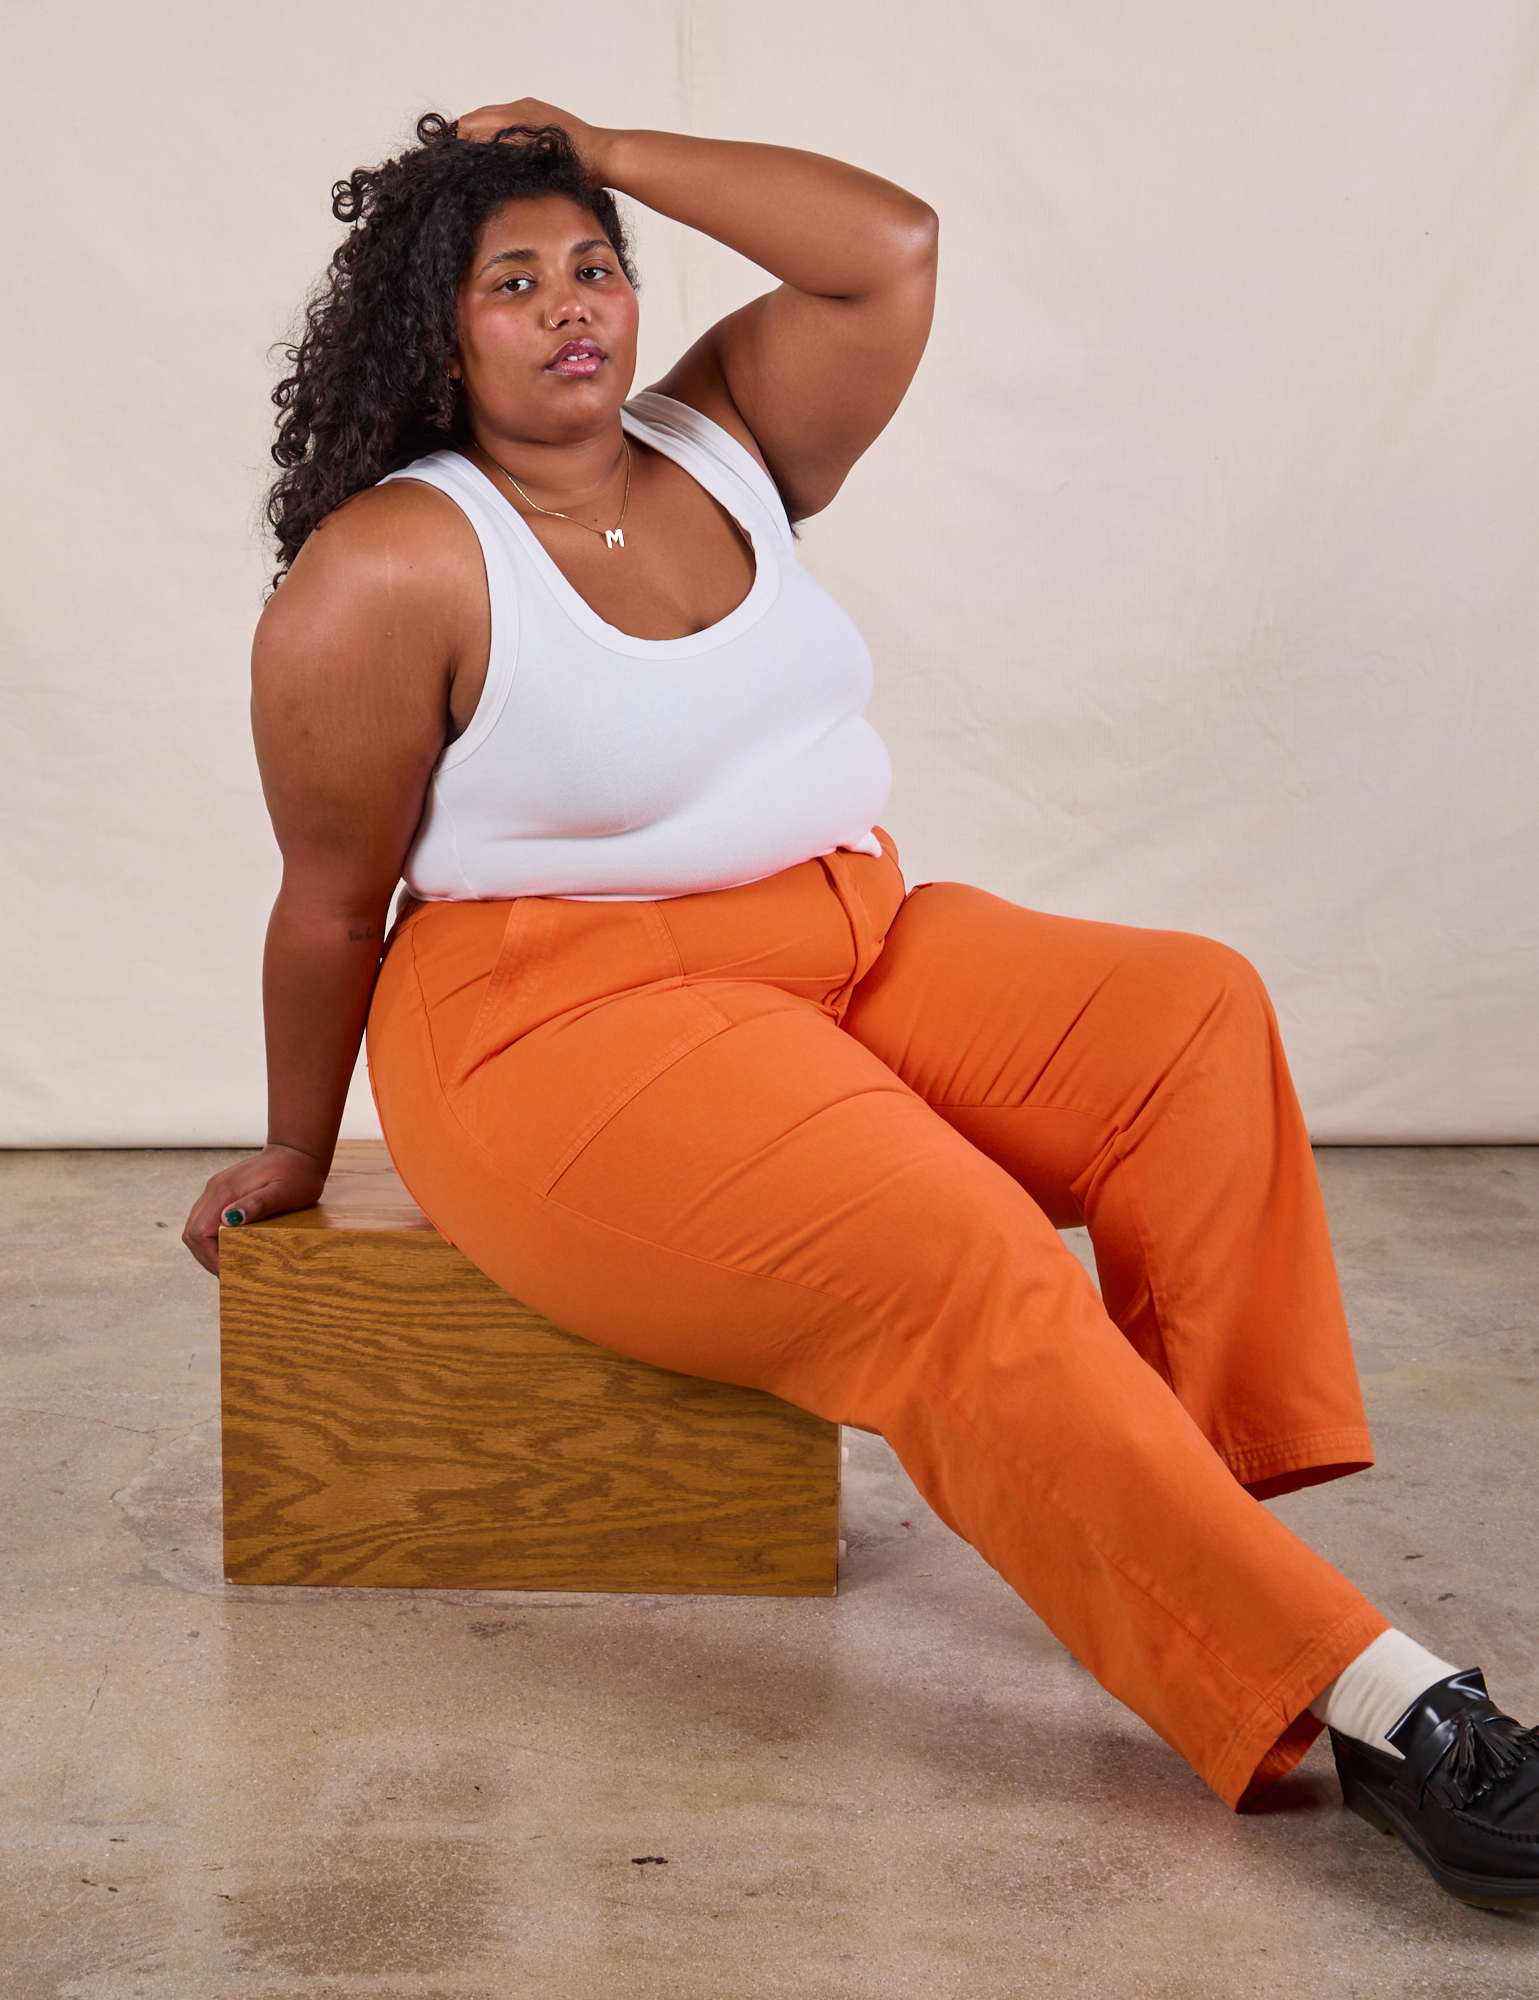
<point x="401" y="550"/>
<point x="358" y="651"/>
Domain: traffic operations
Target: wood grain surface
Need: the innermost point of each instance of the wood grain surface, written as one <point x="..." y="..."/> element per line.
<point x="363" y="1191"/>
<point x="391" y="1417"/>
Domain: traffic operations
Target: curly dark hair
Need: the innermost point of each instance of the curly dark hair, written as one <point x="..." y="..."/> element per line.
<point x="370" y="391"/>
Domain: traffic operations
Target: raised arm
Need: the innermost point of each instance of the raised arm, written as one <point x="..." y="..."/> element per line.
<point x="352" y="695"/>
<point x="809" y="374"/>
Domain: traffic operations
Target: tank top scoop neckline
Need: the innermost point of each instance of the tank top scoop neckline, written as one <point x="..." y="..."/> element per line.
<point x="766" y="576"/>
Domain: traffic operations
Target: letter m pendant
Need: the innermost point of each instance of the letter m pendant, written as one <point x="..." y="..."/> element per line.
<point x="614" y="538"/>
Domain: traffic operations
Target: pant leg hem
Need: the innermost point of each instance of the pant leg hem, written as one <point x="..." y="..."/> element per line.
<point x="1280" y="1728"/>
<point x="1281" y="1758"/>
<point x="1349" y="1447"/>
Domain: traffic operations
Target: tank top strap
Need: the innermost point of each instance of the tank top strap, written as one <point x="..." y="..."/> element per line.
<point x="704" y="449"/>
<point x="455" y="477"/>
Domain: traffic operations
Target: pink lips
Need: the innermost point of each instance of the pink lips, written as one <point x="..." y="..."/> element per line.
<point x="577" y="360"/>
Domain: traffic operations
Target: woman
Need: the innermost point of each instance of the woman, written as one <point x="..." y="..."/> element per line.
<point x="662" y="1043"/>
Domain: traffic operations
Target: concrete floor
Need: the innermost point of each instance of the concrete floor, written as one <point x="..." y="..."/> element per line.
<point x="216" y="1794"/>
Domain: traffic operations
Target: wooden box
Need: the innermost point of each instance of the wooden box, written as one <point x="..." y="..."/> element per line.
<point x="392" y="1418"/>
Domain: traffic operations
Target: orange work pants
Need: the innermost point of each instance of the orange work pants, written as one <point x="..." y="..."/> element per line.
<point x="814" y="1136"/>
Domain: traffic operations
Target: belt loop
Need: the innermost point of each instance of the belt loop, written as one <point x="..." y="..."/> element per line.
<point x="854" y="881"/>
<point x="520" y="958"/>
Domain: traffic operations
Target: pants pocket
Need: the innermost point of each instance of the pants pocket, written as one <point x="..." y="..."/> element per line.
<point x="540" y="1100"/>
<point x="672" y="1024"/>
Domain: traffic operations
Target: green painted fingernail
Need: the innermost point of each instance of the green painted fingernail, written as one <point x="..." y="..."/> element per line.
<point x="235" y="1217"/>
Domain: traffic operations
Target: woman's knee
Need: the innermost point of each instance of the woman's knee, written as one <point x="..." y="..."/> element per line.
<point x="1209" y="971"/>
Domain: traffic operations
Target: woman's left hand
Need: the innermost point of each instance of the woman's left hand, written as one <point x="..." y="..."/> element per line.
<point x="590" y="140"/>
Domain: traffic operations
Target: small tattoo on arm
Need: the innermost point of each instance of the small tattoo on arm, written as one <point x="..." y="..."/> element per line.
<point x="360" y="937"/>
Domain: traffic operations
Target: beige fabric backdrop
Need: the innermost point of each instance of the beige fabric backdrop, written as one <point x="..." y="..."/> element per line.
<point x="1199" y="568"/>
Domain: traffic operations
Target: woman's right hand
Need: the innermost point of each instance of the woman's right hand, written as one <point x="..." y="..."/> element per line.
<point x="271" y="1182"/>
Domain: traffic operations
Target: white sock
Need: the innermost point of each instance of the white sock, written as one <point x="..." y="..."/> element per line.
<point x="1373" y="1693"/>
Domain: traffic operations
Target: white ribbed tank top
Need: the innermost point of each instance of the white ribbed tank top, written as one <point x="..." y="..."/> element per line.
<point x="604" y="766"/>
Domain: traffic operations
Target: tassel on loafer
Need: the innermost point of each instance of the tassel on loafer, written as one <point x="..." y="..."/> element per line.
<point x="1463" y="1796"/>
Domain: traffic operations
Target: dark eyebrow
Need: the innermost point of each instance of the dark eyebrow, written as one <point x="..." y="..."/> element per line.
<point x="529" y="256"/>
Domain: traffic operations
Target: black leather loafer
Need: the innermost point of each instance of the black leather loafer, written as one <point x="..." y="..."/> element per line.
<point x="1465" y="1798"/>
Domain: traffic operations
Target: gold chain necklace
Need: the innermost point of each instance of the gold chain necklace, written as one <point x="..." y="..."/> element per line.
<point x="614" y="538"/>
